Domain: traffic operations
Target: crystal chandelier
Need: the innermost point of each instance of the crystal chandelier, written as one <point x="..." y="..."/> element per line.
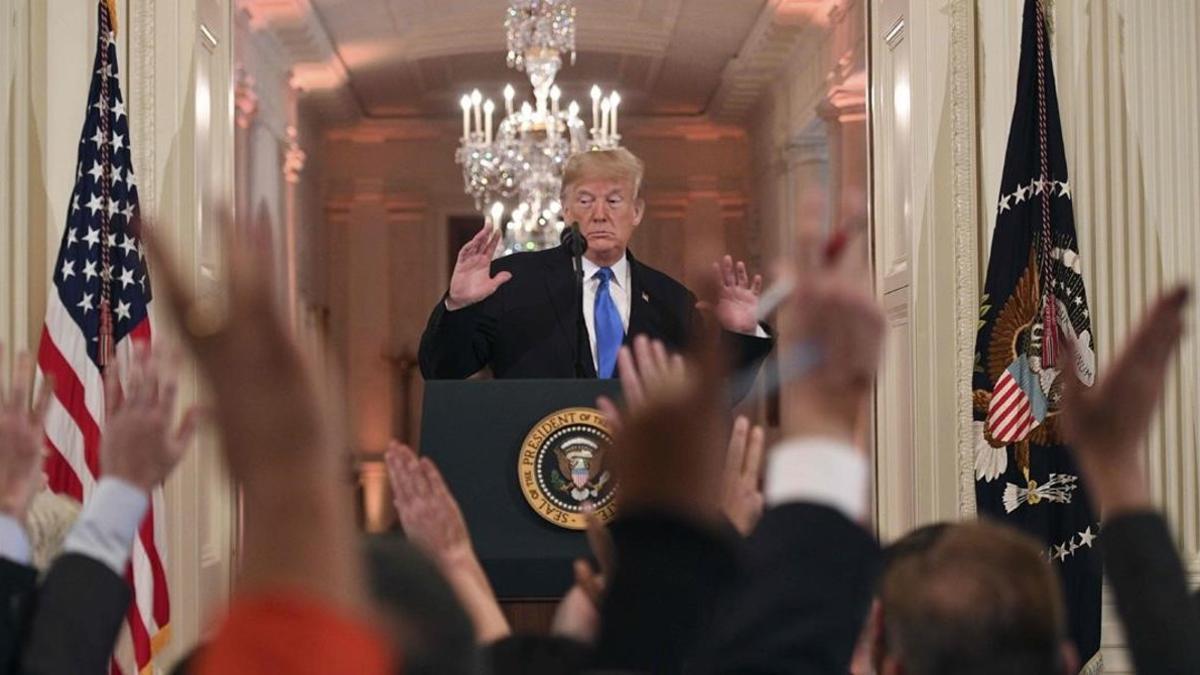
<point x="515" y="167"/>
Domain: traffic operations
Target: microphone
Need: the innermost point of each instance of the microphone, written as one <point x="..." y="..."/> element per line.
<point x="576" y="244"/>
<point x="573" y="239"/>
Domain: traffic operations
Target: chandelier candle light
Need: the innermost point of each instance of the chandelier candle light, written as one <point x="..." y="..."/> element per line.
<point x="516" y="165"/>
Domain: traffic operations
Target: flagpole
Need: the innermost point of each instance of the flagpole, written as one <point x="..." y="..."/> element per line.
<point x="112" y="15"/>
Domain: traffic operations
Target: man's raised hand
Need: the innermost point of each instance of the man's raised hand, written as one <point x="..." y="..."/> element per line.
<point x="741" y="495"/>
<point x="139" y="445"/>
<point x="472" y="280"/>
<point x="737" y="296"/>
<point x="20" y="438"/>
<point x="1107" y="424"/>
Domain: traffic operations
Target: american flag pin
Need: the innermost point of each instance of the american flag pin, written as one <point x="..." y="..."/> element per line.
<point x="645" y="297"/>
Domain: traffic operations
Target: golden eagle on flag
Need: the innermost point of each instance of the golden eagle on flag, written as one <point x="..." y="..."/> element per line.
<point x="1034" y="324"/>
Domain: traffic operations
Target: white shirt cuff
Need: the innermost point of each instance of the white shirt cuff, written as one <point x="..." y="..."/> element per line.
<point x="106" y="529"/>
<point x="759" y="332"/>
<point x="14" y="541"/>
<point x="821" y="471"/>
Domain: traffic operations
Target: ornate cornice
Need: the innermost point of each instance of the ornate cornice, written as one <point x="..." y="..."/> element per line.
<point x="304" y="44"/>
<point x="781" y="27"/>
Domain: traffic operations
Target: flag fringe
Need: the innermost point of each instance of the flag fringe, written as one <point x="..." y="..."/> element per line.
<point x="1094" y="666"/>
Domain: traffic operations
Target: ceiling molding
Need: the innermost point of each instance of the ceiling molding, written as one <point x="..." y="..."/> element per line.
<point x="316" y="71"/>
<point x="781" y="27"/>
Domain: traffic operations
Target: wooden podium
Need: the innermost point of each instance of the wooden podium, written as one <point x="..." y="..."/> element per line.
<point x="474" y="430"/>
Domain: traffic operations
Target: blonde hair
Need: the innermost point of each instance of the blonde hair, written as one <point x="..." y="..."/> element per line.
<point x="618" y="164"/>
<point x="50" y="518"/>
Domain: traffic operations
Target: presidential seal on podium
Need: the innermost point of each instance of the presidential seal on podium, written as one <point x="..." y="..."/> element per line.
<point x="561" y="467"/>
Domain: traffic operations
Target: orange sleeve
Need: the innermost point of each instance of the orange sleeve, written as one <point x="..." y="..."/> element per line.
<point x="282" y="633"/>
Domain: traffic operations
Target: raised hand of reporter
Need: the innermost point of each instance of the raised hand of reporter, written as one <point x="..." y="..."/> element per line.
<point x="834" y="311"/>
<point x="139" y="445"/>
<point x="264" y="398"/>
<point x="578" y="613"/>
<point x="21" y="448"/>
<point x="278" y="440"/>
<point x="671" y="428"/>
<point x="433" y="522"/>
<point x="741" y="495"/>
<point x="428" y="512"/>
<point x="1107" y="423"/>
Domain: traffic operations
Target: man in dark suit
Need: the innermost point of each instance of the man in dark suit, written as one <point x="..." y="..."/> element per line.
<point x="522" y="315"/>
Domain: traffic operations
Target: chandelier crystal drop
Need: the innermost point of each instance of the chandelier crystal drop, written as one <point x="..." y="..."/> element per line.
<point x="516" y="166"/>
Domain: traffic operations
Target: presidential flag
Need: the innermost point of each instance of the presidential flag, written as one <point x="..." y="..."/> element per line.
<point x="1034" y="306"/>
<point x="98" y="307"/>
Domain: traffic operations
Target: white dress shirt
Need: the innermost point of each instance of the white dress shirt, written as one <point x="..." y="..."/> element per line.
<point x="618" y="288"/>
<point x="104" y="531"/>
<point x="14" y="542"/>
<point x="815" y="470"/>
<point x="108" y="524"/>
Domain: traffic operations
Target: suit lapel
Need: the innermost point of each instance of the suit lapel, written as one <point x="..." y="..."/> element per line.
<point x="642" y="315"/>
<point x="560" y="286"/>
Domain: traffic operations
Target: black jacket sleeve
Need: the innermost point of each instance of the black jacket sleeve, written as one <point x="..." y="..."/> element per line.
<point x="799" y="607"/>
<point x="458" y="344"/>
<point x="17" y="585"/>
<point x="78" y="613"/>
<point x="1162" y="626"/>
<point x="669" y="574"/>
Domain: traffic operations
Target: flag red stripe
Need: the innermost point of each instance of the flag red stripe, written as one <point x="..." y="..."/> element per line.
<point x="59" y="473"/>
<point x="1003" y="417"/>
<point x="137" y="627"/>
<point x="161" y="611"/>
<point x="1022" y="414"/>
<point x="1004" y="406"/>
<point x="162" y="603"/>
<point x="69" y="392"/>
<point x="1005" y="391"/>
<point x="1006" y="384"/>
<point x="1010" y="424"/>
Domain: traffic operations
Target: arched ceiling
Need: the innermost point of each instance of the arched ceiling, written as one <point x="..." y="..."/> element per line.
<point x="412" y="59"/>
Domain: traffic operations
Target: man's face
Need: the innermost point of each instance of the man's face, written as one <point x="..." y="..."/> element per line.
<point x="608" y="212"/>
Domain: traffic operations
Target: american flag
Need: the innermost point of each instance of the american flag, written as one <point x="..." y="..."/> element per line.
<point x="98" y="307"/>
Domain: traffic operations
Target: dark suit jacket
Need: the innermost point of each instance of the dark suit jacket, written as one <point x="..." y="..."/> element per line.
<point x="799" y="607"/>
<point x="17" y="585"/>
<point x="1162" y="624"/>
<point x="78" y="612"/>
<point x="530" y="327"/>
<point x="670" y="574"/>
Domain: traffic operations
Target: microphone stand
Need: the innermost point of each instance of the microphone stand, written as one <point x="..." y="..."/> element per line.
<point x="576" y="245"/>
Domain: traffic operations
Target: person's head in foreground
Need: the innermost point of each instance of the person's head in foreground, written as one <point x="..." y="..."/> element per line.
<point x="981" y="599"/>
<point x="601" y="190"/>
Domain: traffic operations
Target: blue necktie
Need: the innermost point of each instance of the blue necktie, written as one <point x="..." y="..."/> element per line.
<point x="609" y="332"/>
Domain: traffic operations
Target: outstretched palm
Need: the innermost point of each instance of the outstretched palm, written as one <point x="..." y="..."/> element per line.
<point x="472" y="280"/>
<point x="737" y="300"/>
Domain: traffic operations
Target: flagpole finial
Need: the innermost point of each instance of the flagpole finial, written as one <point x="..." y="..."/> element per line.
<point x="112" y="15"/>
